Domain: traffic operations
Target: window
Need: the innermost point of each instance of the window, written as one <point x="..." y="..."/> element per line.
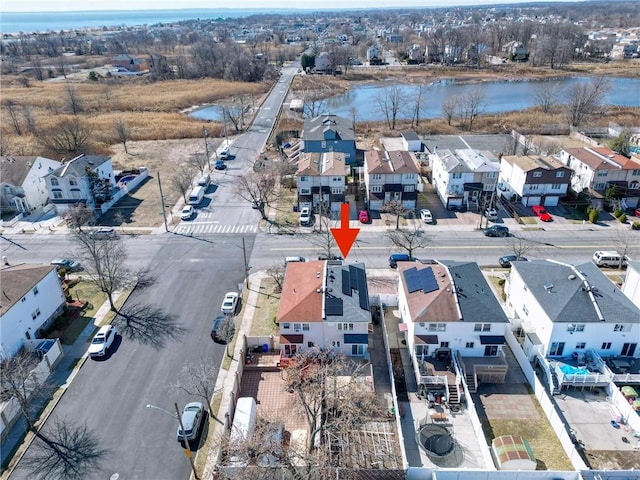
<point x="556" y="186"/>
<point x="575" y="327"/>
<point x="345" y="327"/>
<point x="635" y="172"/>
<point x="337" y="179"/>
<point x="35" y="290"/>
<point x="73" y="181"/>
<point x="533" y="187"/>
<point x="305" y="327"/>
<point x="323" y="144"/>
<point x="456" y="175"/>
<point x="57" y="193"/>
<point x="376" y="188"/>
<point x="482" y="327"/>
<point x="304" y="178"/>
<point x="581" y="345"/>
<point x="559" y="174"/>
<point x="305" y="191"/>
<point x="437" y="327"/>
<point x="36" y="313"/>
<point x="357" y="349"/>
<point x="408" y="176"/>
<point x="537" y="174"/>
<point x="491" y="174"/>
<point x="599" y="186"/>
<point x="606" y="346"/>
<point x="376" y="176"/>
<point x="286" y="326"/>
<point x="409" y="188"/>
<point x="54" y="182"/>
<point x="602" y="173"/>
<point x="23" y="299"/>
<point x="469" y="345"/>
<point x="444" y="344"/>
<point x="337" y="190"/>
<point x="619" y="327"/>
<point x="297" y="327"/>
<point x="310" y="344"/>
<point x="421" y="350"/>
<point x="525" y="309"/>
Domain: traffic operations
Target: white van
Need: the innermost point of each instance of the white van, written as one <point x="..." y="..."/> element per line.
<point x="609" y="259"/>
<point x="204" y="180"/>
<point x="293" y="259"/>
<point x="196" y="195"/>
<point x="225" y="153"/>
<point x="244" y="423"/>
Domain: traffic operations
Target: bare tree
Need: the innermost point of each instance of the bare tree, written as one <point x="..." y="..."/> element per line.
<point x="12" y="111"/>
<point x="29" y="119"/>
<point x="182" y="180"/>
<point x="450" y="106"/>
<point x="625" y="244"/>
<point x="72" y="99"/>
<point x="197" y="379"/>
<point x="63" y="450"/>
<point x="324" y="241"/>
<point x="123" y="132"/>
<point x="276" y="273"/>
<point x="395" y="207"/>
<point x="584" y="99"/>
<point x="419" y="105"/>
<point x="547" y="95"/>
<point x="520" y="246"/>
<point x="105" y="264"/>
<point x="200" y="161"/>
<point x="78" y="215"/>
<point x="259" y="188"/>
<point x="473" y="104"/>
<point x="69" y="136"/>
<point x="409" y="239"/>
<point x="391" y="103"/>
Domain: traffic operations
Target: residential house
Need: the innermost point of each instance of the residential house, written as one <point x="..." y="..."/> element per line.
<point x="323" y="62"/>
<point x="132" y="64"/>
<point x="411" y="141"/>
<point x="324" y="305"/>
<point x="22" y="188"/>
<point x="322" y="180"/>
<point x="516" y="51"/>
<point x="631" y="284"/>
<point x="32" y="298"/>
<point x="534" y="180"/>
<point x="572" y="313"/>
<point x="84" y="179"/>
<point x="454" y="326"/>
<point x="465" y="177"/>
<point x="330" y="133"/>
<point x="597" y="168"/>
<point x="391" y="177"/>
<point x="415" y="54"/>
<point x="373" y="55"/>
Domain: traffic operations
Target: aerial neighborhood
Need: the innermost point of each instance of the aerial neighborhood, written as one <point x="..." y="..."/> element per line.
<point x="323" y="246"/>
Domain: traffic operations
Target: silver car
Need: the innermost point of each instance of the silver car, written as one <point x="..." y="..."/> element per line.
<point x="192" y="416"/>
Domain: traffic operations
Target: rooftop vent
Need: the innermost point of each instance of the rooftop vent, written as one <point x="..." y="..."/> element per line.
<point x="571" y="277"/>
<point x="548" y="287"/>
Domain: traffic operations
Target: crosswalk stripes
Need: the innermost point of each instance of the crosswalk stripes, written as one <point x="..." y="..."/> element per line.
<point x="189" y="228"/>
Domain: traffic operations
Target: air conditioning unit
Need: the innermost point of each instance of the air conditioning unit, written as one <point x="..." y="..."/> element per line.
<point x="297" y="330"/>
<point x="422" y="324"/>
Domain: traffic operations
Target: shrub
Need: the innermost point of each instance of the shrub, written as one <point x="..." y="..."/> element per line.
<point x="617" y="212"/>
<point x="623" y="218"/>
<point x="635" y="226"/>
<point x="593" y="214"/>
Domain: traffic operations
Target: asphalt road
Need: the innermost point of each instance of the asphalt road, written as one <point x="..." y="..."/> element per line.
<point x="110" y="395"/>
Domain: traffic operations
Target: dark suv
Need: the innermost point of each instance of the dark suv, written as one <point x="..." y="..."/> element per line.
<point x="394" y="258"/>
<point x="496" y="231"/>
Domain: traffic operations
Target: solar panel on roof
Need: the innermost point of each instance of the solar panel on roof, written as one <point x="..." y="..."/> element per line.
<point x="346" y="283"/>
<point x="428" y="280"/>
<point x="333" y="306"/>
<point x="363" y="294"/>
<point x="353" y="274"/>
<point x="412" y="279"/>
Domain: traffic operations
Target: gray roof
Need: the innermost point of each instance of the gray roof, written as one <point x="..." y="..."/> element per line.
<point x="564" y="291"/>
<point x="347" y="283"/>
<point x="314" y="128"/>
<point x="76" y="167"/>
<point x="477" y="301"/>
<point x="18" y="280"/>
<point x="14" y="170"/>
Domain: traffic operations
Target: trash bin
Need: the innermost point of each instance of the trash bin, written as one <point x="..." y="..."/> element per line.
<point x="295" y="208"/>
<point x="265" y="348"/>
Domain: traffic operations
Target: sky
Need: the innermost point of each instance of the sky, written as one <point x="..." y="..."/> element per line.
<point x="67" y="5"/>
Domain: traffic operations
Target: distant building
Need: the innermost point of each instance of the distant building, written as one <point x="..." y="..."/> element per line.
<point x="330" y="133"/>
<point x="130" y="63"/>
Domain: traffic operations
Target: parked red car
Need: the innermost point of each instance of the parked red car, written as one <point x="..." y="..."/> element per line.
<point x="637" y="212"/>
<point x="363" y="216"/>
<point x="541" y="213"/>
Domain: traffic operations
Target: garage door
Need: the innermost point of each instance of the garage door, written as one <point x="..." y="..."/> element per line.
<point x="529" y="201"/>
<point x="377" y="205"/>
<point x="551" y="201"/>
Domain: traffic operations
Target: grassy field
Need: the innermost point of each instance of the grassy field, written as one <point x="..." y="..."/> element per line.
<point x="263" y="323"/>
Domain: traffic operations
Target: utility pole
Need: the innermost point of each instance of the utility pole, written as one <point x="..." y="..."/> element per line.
<point x="164" y="214"/>
<point x="246" y="267"/>
<point x="206" y="146"/>
<point x="187" y="450"/>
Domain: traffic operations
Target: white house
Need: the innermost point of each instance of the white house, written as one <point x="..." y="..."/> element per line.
<point x="391" y="176"/>
<point x="22" y="187"/>
<point x="85" y="178"/>
<point x="32" y="298"/>
<point x="324" y="305"/>
<point x="534" y="180"/>
<point x="572" y="309"/>
<point x="411" y="141"/>
<point x="454" y="325"/>
<point x="631" y="284"/>
<point x="464" y="177"/>
<point x="322" y="180"/>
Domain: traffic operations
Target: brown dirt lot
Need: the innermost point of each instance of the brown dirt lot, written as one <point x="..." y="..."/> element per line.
<point x="162" y="157"/>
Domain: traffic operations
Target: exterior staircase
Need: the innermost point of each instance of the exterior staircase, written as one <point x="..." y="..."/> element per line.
<point x="454" y="394"/>
<point x="471" y="382"/>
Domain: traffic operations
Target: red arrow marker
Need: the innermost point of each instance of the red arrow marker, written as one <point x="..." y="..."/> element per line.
<point x="344" y="235"/>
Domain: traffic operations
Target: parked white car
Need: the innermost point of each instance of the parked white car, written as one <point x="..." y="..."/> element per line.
<point x="305" y="216"/>
<point x="102" y="341"/>
<point x="187" y="213"/>
<point x="426" y="216"/>
<point x="230" y="303"/>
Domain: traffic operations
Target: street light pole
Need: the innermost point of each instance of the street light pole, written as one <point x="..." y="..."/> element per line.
<point x="187" y="451"/>
<point x="164" y="213"/>
<point x="246" y="267"/>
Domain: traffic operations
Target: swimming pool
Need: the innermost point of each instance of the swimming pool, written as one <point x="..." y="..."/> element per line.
<point x="570" y="370"/>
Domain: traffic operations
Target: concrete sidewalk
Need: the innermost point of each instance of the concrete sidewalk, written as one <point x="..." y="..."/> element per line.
<point x="60" y="379"/>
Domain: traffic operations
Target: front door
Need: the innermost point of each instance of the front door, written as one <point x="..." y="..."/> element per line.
<point x="490" y="350"/>
<point x="628" y="349"/>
